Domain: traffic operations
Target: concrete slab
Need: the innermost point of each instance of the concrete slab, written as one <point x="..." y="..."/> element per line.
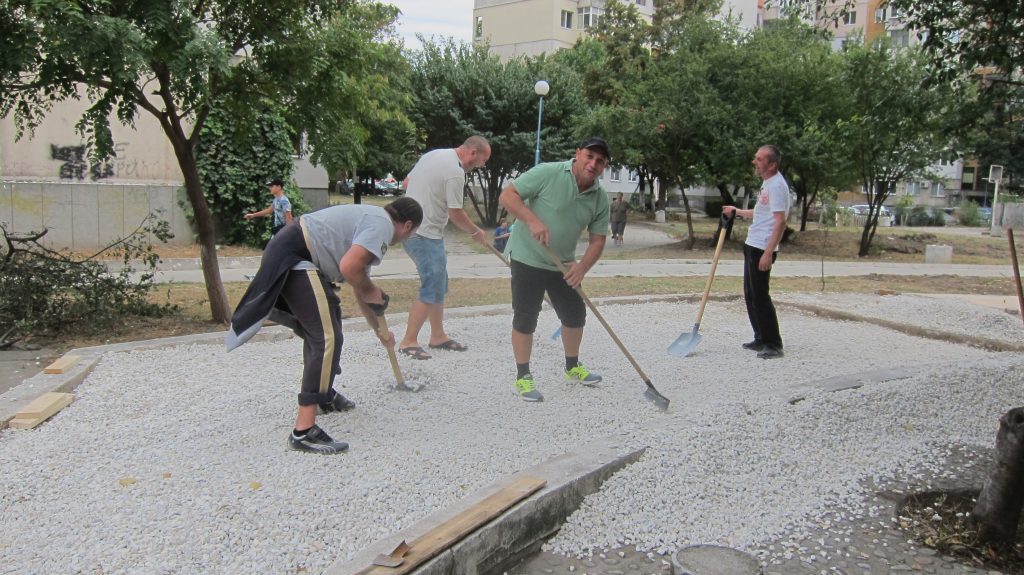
<point x="500" y="543"/>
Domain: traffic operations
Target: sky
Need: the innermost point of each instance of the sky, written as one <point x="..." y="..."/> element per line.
<point x="434" y="18"/>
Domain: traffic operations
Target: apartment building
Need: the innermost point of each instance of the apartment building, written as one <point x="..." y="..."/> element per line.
<point x="534" y="27"/>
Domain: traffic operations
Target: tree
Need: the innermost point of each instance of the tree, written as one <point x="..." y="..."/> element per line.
<point x="235" y="161"/>
<point x="173" y="61"/>
<point x="799" y="86"/>
<point x="898" y="128"/>
<point x="464" y="90"/>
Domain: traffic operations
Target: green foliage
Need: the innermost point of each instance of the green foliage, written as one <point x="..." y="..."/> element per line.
<point x="970" y="215"/>
<point x="899" y="127"/>
<point x="326" y="61"/>
<point x="48" y="292"/>
<point x="463" y="90"/>
<point x="235" y="160"/>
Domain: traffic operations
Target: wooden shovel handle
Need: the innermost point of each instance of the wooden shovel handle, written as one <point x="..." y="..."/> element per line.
<point x="384" y="332"/>
<point x="561" y="267"/>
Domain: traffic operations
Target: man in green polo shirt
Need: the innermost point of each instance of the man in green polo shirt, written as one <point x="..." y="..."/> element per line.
<point x="553" y="203"/>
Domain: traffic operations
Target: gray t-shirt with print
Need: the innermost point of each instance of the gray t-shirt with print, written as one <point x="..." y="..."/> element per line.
<point x="332" y="231"/>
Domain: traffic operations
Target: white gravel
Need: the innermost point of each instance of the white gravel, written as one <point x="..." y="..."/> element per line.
<point x="175" y="460"/>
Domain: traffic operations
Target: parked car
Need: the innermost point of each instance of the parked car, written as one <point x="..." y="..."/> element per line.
<point x="986" y="214"/>
<point x="864" y="210"/>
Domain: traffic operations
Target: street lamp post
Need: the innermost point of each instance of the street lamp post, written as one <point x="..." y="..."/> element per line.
<point x="541" y="89"/>
<point x="995" y="174"/>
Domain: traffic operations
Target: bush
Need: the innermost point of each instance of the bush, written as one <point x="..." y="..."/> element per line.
<point x="919" y="216"/>
<point x="970" y="215"/>
<point x="47" y="293"/>
<point x="235" y="160"/>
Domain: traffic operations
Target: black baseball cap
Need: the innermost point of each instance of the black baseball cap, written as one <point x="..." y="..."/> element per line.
<point x="596" y="144"/>
<point x="275" y="182"/>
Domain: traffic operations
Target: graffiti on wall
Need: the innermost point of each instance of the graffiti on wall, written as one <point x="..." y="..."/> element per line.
<point x="77" y="166"/>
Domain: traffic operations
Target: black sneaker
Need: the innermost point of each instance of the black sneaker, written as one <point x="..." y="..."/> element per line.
<point x="316" y="440"/>
<point x="338" y="403"/>
<point x="754" y="345"/>
<point x="770" y="353"/>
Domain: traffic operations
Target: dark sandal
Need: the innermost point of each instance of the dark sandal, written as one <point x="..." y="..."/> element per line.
<point x="415" y="352"/>
<point x="450" y="345"/>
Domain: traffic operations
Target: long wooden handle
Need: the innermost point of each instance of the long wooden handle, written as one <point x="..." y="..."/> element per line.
<point x="600" y="318"/>
<point x="384" y="332"/>
<point x="711" y="275"/>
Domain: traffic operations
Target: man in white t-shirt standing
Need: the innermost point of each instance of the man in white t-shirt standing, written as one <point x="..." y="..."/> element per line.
<point x="437" y="182"/>
<point x="763" y="237"/>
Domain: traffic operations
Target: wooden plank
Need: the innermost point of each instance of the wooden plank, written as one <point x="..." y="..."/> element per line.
<point x="62" y="364"/>
<point x="41" y="409"/>
<point x="444" y="536"/>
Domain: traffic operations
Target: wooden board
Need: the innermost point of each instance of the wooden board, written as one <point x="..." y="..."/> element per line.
<point x="444" y="536"/>
<point x="41" y="409"/>
<point x="62" y="364"/>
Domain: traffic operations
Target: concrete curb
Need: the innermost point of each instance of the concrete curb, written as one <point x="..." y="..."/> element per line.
<point x="571" y="477"/>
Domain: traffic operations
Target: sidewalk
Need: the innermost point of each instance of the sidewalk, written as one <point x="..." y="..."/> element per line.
<point x="465" y="263"/>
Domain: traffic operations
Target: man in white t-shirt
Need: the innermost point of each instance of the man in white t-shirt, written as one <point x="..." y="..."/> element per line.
<point x="762" y="245"/>
<point x="437" y="182"/>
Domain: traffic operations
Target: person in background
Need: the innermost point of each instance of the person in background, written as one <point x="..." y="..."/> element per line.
<point x="280" y="207"/>
<point x="619" y="209"/>
<point x="501" y="234"/>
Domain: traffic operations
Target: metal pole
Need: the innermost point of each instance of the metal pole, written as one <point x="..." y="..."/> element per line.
<point x="540" y="111"/>
<point x="1016" y="272"/>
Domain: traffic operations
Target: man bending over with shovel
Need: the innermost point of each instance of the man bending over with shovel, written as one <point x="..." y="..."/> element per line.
<point x="759" y="252"/>
<point x="292" y="288"/>
<point x="553" y="203"/>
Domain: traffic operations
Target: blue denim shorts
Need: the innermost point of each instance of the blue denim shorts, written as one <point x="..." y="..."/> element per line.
<point x="432" y="266"/>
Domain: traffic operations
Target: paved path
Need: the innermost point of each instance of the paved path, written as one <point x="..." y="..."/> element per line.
<point x="463" y="262"/>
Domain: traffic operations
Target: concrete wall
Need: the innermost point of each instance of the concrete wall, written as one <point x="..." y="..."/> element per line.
<point x="85" y="216"/>
<point x="55" y="153"/>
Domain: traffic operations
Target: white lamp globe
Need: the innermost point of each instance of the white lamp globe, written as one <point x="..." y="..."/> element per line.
<point x="541" y="88"/>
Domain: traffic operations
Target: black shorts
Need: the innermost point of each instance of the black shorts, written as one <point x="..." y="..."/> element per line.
<point x="528" y="287"/>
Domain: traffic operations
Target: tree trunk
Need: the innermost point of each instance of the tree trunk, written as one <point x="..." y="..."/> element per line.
<point x="219" y="309"/>
<point x="998" y="509"/>
<point x="220" y="312"/>
<point x="690" y="239"/>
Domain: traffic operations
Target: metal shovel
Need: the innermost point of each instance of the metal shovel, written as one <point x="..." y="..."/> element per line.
<point x="687" y="342"/>
<point x="650" y="394"/>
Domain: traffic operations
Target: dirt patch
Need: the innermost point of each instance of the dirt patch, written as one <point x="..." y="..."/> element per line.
<point x="842" y="244"/>
<point x="941" y="520"/>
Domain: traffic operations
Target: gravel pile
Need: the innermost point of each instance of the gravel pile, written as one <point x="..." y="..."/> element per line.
<point x="175" y="460"/>
<point x="921" y="311"/>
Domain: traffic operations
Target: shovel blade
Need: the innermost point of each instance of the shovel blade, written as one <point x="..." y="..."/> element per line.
<point x="685" y="343"/>
<point x="659" y="400"/>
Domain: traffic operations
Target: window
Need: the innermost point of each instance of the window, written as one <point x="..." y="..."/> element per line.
<point x="641" y="2"/>
<point x="894" y="12"/>
<point x="913" y="188"/>
<point x="900" y="38"/>
<point x="850" y="18"/>
<point x="968" y="178"/>
<point x="588" y="16"/>
<point x="938" y="190"/>
<point x="880" y="15"/>
<point x="479" y="27"/>
<point x="633" y="176"/>
<point x="616" y="174"/>
<point x="567" y="19"/>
